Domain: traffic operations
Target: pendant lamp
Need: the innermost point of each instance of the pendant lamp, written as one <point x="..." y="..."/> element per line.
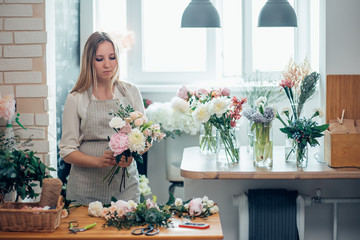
<point x="200" y="14"/>
<point x="277" y="13"/>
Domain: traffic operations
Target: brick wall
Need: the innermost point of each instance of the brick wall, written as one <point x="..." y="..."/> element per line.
<point x="23" y="41"/>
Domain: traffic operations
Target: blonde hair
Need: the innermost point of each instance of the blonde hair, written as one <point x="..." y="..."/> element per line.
<point x="87" y="76"/>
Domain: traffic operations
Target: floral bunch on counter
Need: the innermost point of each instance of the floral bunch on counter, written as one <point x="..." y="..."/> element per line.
<point x="121" y="214"/>
<point x="133" y="134"/>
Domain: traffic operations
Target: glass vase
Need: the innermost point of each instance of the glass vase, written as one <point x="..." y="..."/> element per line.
<point x="263" y="145"/>
<point x="290" y="149"/>
<point x="250" y="135"/>
<point x="227" y="146"/>
<point x="207" y="138"/>
<point x="301" y="155"/>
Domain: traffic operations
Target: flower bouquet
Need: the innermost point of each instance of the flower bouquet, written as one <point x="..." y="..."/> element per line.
<point x="299" y="86"/>
<point x="216" y="108"/>
<point x="207" y="129"/>
<point x="261" y="117"/>
<point x="134" y="133"/>
<point x="303" y="131"/>
<point x="121" y="214"/>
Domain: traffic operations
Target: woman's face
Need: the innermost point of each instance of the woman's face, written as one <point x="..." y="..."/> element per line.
<point x="105" y="61"/>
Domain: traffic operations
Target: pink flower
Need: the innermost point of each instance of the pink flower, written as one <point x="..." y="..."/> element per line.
<point x="7" y="107"/>
<point x="150" y="203"/>
<point x="225" y="92"/>
<point x="195" y="207"/>
<point x="126" y="129"/>
<point x="201" y="91"/>
<point x="139" y="121"/>
<point x="287" y="83"/>
<point x="233" y="123"/>
<point x="64" y="213"/>
<point x="119" y="142"/>
<point x="122" y="207"/>
<point x="183" y="93"/>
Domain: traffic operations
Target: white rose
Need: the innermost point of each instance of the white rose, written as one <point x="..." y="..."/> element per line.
<point x="117" y="122"/>
<point x="178" y="202"/>
<point x="95" y="209"/>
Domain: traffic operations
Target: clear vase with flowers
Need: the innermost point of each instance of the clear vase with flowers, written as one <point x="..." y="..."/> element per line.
<point x="261" y="117"/>
<point x="299" y="85"/>
<point x="304" y="132"/>
<point x="216" y="108"/>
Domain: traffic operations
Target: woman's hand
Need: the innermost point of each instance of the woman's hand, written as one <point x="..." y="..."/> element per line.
<point x="124" y="163"/>
<point x="107" y="159"/>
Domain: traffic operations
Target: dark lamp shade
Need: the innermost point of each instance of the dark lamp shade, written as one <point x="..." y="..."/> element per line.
<point x="200" y="14"/>
<point x="277" y="13"/>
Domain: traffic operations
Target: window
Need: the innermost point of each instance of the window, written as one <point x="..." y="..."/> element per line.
<point x="166" y="54"/>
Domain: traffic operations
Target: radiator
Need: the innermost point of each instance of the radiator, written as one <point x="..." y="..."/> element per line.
<point x="243" y="207"/>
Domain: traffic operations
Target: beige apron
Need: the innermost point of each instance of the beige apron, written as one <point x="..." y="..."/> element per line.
<point x="86" y="184"/>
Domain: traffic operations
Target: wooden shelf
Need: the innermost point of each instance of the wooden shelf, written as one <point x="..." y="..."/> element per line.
<point x="197" y="166"/>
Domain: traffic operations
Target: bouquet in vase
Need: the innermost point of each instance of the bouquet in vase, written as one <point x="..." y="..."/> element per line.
<point x="261" y="118"/>
<point x="215" y="108"/>
<point x="133" y="134"/>
<point x="303" y="131"/>
<point x="299" y="86"/>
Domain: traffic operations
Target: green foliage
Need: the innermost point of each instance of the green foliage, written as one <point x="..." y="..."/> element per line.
<point x="307" y="90"/>
<point x="141" y="216"/>
<point x="304" y="131"/>
<point x="20" y="169"/>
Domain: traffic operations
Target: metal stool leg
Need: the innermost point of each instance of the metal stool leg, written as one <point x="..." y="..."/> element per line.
<point x="173" y="185"/>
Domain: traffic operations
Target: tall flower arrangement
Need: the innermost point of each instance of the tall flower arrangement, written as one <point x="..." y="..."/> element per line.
<point x="217" y="108"/>
<point x="133" y="133"/>
<point x="261" y="117"/>
<point x="299" y="85"/>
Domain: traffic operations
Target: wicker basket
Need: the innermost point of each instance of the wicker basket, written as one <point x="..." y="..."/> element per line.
<point x="15" y="219"/>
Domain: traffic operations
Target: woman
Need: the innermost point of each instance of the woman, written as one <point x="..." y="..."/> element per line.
<point x="84" y="142"/>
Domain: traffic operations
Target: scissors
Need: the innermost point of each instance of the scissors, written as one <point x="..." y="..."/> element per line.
<point x="149" y="231"/>
<point x="73" y="227"/>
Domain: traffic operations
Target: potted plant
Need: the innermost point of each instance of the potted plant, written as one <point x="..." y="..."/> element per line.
<point x="20" y="171"/>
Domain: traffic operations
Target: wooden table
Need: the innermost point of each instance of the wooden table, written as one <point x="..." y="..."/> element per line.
<point x="80" y="214"/>
<point x="198" y="166"/>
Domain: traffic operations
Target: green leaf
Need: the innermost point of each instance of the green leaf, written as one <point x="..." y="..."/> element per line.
<point x="113" y="199"/>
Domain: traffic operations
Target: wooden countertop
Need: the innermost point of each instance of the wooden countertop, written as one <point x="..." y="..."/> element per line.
<point x="197" y="166"/>
<point x="80" y="214"/>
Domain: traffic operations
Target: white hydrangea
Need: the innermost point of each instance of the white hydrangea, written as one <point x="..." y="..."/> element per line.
<point x="95" y="209"/>
<point x="210" y="203"/>
<point x="205" y="199"/>
<point x="117" y="122"/>
<point x="214" y="209"/>
<point x="179" y="104"/>
<point x="171" y="120"/>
